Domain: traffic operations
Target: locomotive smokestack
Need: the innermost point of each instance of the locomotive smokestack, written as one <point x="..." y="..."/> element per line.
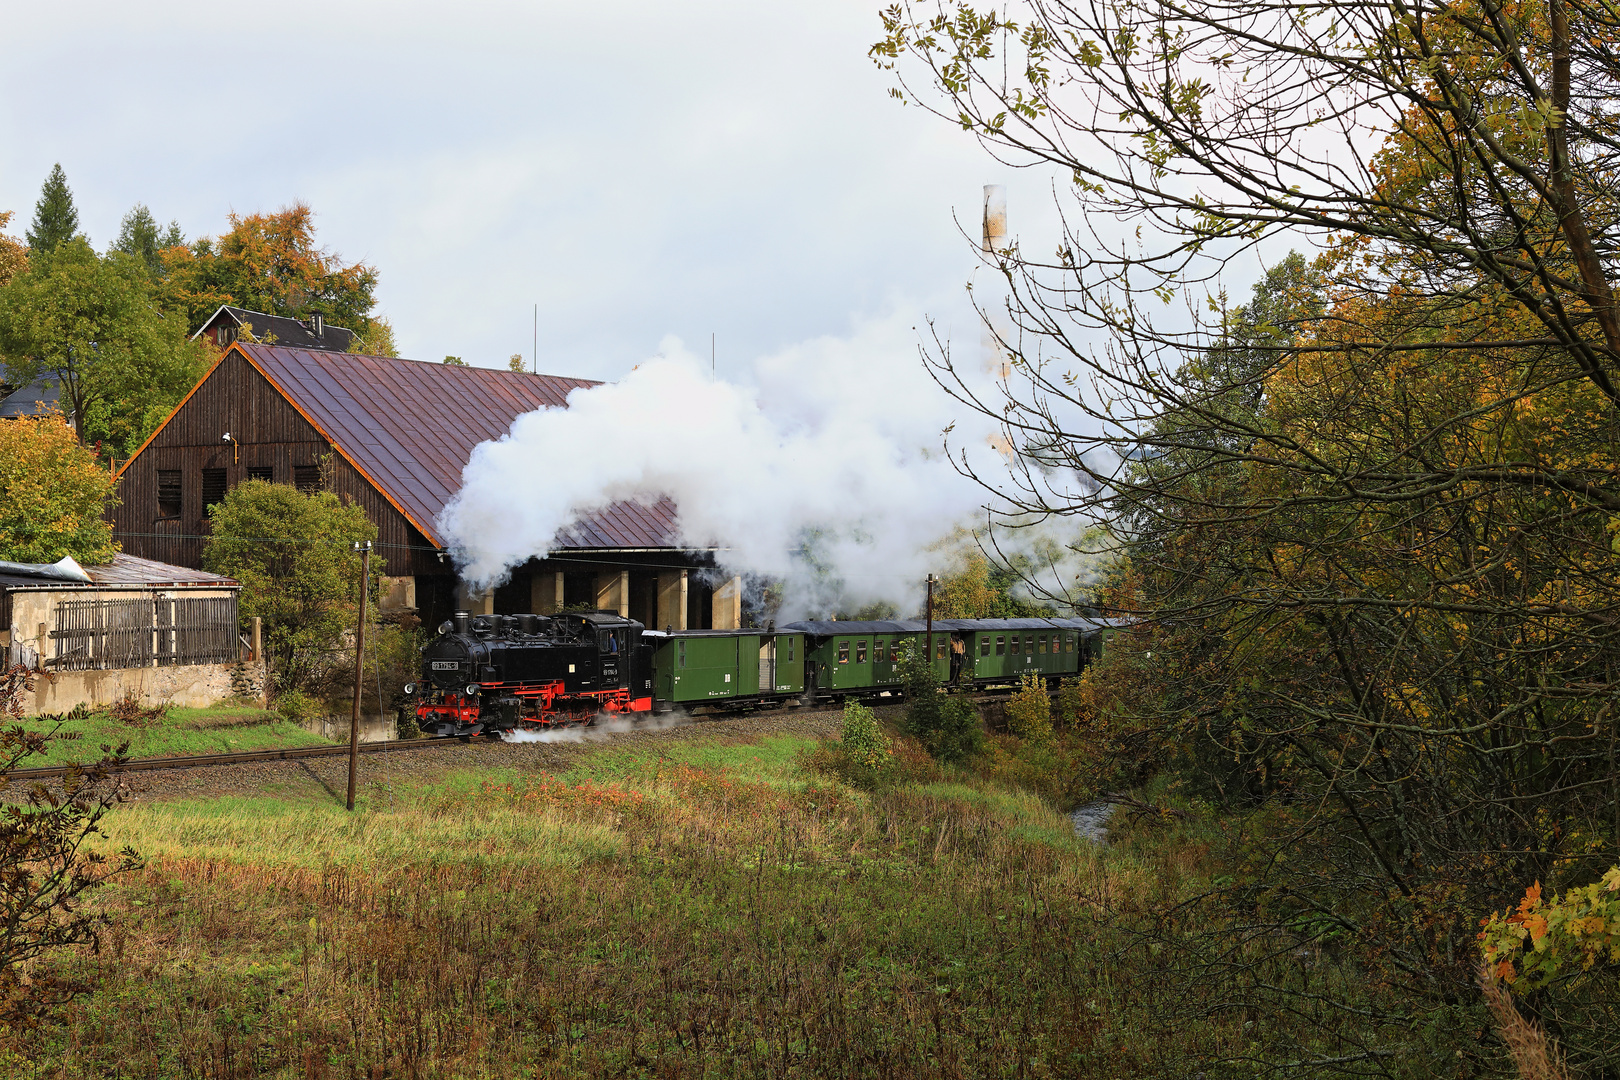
<point x="463" y="621"/>
<point x="994" y="244"/>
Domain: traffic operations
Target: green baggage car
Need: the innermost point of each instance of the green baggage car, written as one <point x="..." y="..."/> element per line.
<point x="725" y="668"/>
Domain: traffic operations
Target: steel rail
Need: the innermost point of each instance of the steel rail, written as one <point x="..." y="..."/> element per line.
<point x="194" y="761"/>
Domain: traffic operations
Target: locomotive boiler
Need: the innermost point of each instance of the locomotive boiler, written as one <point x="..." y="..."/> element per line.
<point x="485" y="674"/>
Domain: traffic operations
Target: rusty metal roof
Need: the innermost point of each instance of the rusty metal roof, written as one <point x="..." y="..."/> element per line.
<point x="125" y="570"/>
<point x="410" y="426"/>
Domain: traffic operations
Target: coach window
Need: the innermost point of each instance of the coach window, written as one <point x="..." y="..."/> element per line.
<point x="790" y="650"/>
<point x="680" y="650"/>
<point x="1040" y="644"/>
<point x="1001" y="644"/>
<point x="860" y="652"/>
<point x="843" y="652"/>
<point x="1068" y="643"/>
<point x="894" y="651"/>
<point x="1015" y="644"/>
<point x="877" y="650"/>
<point x="984" y="645"/>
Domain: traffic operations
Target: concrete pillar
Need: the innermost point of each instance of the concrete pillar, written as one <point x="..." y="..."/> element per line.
<point x="546" y="593"/>
<point x="613" y="592"/>
<point x="473" y="603"/>
<point x="671" y="600"/>
<point x="398" y="594"/>
<point x="728" y="605"/>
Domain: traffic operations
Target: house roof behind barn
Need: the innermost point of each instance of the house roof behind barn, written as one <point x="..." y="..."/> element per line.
<point x="410" y="427"/>
<point x="292" y="333"/>
<point x="42" y="395"/>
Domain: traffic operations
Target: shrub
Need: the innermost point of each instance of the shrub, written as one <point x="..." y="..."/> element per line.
<point x="863" y="740"/>
<point x="1029" y="712"/>
<point x="1071" y="705"/>
<point x="298" y="706"/>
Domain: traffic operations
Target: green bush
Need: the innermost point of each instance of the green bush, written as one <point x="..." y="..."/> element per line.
<point x="947" y="725"/>
<point x="1029" y="712"/>
<point x="1071" y="704"/>
<point x="863" y="740"/>
<point x="298" y="706"/>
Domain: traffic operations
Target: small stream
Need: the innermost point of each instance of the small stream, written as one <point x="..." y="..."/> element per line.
<point x="1091" y="820"/>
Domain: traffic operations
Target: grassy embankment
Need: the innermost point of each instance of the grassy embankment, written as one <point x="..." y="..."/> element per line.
<point x="220" y="729"/>
<point x="699" y="909"/>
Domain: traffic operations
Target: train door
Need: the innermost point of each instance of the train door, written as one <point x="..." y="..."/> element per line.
<point x="610" y="646"/>
<point x="767" y="665"/>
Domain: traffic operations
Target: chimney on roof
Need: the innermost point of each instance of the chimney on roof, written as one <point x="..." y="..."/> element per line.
<point x="317" y="326"/>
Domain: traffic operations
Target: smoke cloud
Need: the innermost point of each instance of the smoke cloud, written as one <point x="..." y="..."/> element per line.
<point x="605" y="725"/>
<point x="821" y="467"/>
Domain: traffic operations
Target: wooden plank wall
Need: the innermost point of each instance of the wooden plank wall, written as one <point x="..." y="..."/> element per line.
<point x="271" y="434"/>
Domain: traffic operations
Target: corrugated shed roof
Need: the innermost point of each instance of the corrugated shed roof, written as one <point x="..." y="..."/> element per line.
<point x="126" y="570"/>
<point x="411" y="426"/>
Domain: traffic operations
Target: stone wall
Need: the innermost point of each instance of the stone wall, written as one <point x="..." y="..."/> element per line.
<point x="185" y="685"/>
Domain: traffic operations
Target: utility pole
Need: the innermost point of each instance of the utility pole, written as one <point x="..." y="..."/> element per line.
<point x="359" y="664"/>
<point x="931" y="581"/>
<point x="535" y="355"/>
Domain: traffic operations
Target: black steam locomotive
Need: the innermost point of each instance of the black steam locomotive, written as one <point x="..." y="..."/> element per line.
<point x="492" y="673"/>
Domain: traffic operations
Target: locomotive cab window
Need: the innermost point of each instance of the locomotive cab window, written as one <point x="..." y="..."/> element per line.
<point x="984" y="645"/>
<point x="860" y="652"/>
<point x="1001" y="644"/>
<point x="843" y="652"/>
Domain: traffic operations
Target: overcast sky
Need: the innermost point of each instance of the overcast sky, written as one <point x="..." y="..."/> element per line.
<point x="638" y="169"/>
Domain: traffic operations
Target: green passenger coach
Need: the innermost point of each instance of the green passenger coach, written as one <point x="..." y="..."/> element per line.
<point x="731" y="667"/>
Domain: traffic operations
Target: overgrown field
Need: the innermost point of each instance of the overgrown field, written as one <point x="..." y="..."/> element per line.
<point x="703" y="909"/>
<point x="221" y="729"/>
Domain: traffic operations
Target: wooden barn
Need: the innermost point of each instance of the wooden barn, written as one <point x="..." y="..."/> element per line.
<point x="394" y="435"/>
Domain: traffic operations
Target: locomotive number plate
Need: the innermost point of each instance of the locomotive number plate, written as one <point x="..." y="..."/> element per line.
<point x="445" y="665"/>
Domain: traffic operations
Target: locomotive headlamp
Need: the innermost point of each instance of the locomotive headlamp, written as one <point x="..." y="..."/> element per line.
<point x="446" y="626"/>
<point x="472" y="689"/>
<point x="410" y="688"/>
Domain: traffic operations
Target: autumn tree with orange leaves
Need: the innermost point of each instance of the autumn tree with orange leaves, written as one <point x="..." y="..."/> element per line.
<point x="1372" y="513"/>
<point x="270" y="263"/>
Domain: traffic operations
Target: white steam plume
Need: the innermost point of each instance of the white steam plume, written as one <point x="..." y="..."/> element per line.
<point x="837" y="441"/>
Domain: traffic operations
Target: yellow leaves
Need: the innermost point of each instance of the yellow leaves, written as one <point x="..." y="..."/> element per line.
<point x="1574" y="932"/>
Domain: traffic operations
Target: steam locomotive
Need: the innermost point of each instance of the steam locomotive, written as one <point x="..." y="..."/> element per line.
<point x="486" y="674"/>
<point x="495" y="673"/>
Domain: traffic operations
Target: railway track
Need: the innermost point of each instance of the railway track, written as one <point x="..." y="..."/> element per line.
<point x="244" y="757"/>
<point x="195" y="761"/>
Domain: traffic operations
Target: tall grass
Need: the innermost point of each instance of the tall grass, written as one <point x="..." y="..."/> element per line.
<point x="705" y="911"/>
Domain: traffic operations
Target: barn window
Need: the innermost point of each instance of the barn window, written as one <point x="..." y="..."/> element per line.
<point x="267" y="473"/>
<point x="213" y="487"/>
<point x="307" y="478"/>
<point x="168" y="493"/>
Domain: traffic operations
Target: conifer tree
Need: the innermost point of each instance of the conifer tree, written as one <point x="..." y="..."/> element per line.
<point x="55" y="217"/>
